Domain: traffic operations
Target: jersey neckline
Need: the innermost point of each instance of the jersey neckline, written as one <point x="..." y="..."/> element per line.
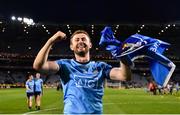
<point x="81" y="62"/>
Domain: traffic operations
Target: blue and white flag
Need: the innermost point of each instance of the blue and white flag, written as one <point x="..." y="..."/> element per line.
<point x="137" y="46"/>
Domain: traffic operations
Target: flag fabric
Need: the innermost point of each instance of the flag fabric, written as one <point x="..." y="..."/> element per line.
<point x="112" y="44"/>
<point x="137" y="46"/>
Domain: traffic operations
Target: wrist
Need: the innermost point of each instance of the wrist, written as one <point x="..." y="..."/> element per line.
<point x="127" y="61"/>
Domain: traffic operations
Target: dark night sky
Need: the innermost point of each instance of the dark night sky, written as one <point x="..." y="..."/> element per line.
<point x="93" y="11"/>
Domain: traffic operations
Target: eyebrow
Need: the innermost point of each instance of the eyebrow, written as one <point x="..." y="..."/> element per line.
<point x="80" y="37"/>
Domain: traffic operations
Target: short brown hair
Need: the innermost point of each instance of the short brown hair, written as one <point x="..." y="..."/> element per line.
<point x="79" y="32"/>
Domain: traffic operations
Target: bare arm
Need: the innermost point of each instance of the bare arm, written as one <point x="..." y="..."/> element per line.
<point x="121" y="73"/>
<point x="41" y="63"/>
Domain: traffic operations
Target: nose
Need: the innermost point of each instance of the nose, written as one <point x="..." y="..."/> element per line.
<point x="80" y="41"/>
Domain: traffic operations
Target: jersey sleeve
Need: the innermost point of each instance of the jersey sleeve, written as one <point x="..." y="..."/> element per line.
<point x="26" y="83"/>
<point x="41" y="81"/>
<point x="59" y="62"/>
<point x="106" y="70"/>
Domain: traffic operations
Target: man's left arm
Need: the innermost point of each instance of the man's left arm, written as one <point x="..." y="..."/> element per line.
<point x="122" y="73"/>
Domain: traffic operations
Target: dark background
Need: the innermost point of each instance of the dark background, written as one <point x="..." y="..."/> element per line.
<point x="93" y="11"/>
<point x="18" y="49"/>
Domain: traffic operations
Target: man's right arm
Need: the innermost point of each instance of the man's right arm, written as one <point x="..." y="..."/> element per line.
<point x="41" y="63"/>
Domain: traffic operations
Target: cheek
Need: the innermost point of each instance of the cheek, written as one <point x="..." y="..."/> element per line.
<point x="72" y="46"/>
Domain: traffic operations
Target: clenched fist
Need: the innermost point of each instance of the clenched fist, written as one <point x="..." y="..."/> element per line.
<point x="58" y="36"/>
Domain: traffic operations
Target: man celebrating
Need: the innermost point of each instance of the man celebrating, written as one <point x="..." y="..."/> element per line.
<point x="82" y="79"/>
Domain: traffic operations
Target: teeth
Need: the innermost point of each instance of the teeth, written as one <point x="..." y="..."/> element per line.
<point x="81" y="46"/>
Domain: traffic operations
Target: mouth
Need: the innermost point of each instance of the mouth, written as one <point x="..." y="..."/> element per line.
<point x="81" y="45"/>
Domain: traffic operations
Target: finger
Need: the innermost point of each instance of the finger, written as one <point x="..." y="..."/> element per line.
<point x="65" y="37"/>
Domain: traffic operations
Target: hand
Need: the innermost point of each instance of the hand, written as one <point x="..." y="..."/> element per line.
<point x="127" y="60"/>
<point x="58" y="36"/>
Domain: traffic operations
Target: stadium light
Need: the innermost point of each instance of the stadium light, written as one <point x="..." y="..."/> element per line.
<point x="68" y="26"/>
<point x="8" y="72"/>
<point x="19" y="19"/>
<point x="24" y="20"/>
<point x="3" y="30"/>
<point x="13" y="18"/>
<point x="70" y="32"/>
<point x="29" y="48"/>
<point x="92" y="31"/>
<point x="92" y="26"/>
<point x="8" y="47"/>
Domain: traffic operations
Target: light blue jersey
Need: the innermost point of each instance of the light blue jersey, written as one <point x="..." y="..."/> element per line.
<point x="38" y="85"/>
<point x="83" y="85"/>
<point x="30" y="85"/>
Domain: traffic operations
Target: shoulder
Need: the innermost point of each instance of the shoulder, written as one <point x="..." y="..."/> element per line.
<point x="63" y="61"/>
<point x="27" y="81"/>
<point x="101" y="64"/>
<point x="41" y="80"/>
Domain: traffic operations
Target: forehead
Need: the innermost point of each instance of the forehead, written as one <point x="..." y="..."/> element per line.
<point x="80" y="35"/>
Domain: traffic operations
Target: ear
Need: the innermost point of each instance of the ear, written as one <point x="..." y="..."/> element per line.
<point x="90" y="45"/>
<point x="71" y="47"/>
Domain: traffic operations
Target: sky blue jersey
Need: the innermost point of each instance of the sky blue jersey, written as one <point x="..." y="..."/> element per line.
<point x="38" y="85"/>
<point x="83" y="85"/>
<point x="30" y="85"/>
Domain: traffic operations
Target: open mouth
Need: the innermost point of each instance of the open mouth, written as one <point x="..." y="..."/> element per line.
<point x="81" y="45"/>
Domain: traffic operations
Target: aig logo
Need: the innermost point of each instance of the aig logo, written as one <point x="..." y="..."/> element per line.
<point x="86" y="82"/>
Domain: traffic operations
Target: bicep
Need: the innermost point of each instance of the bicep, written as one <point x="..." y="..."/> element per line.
<point x="50" y="67"/>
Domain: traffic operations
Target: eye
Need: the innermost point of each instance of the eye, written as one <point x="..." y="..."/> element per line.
<point x="77" y="39"/>
<point x="83" y="39"/>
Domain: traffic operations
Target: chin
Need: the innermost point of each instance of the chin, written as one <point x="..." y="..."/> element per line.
<point x="81" y="53"/>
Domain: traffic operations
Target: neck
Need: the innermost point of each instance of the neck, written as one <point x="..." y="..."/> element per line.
<point x="82" y="59"/>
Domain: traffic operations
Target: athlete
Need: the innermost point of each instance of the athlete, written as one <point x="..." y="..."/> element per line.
<point x="30" y="90"/>
<point x="38" y="90"/>
<point x="82" y="79"/>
